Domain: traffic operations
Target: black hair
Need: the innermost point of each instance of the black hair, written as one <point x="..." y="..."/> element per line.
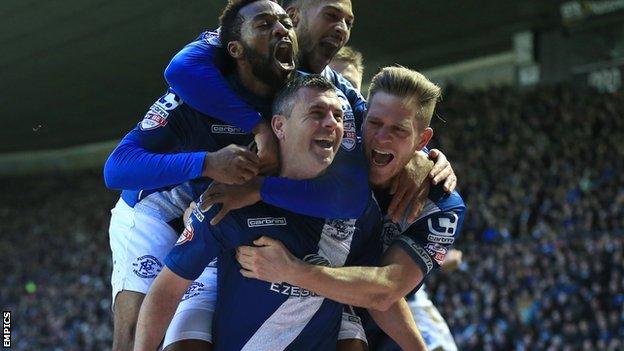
<point x="284" y="101"/>
<point x="231" y="22"/>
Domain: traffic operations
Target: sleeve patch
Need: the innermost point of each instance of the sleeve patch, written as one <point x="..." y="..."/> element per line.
<point x="187" y="234"/>
<point x="419" y="251"/>
<point x="442" y="228"/>
<point x="157" y="115"/>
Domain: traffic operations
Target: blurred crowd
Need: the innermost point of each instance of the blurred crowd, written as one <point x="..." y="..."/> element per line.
<point x="540" y="171"/>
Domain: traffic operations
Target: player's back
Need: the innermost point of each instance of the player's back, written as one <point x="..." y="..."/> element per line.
<point x="256" y="315"/>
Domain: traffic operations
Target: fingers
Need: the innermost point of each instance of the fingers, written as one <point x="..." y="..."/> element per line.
<point x="442" y="175"/>
<point x="264" y="241"/>
<point x="440" y="162"/>
<point x="248" y="274"/>
<point x="219" y="216"/>
<point x="450" y="183"/>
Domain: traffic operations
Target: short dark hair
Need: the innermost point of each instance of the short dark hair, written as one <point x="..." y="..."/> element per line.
<point x="231" y="22"/>
<point x="284" y="101"/>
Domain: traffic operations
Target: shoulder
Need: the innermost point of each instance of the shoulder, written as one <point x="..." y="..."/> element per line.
<point x="162" y="111"/>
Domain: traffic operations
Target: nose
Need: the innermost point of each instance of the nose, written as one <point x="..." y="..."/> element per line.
<point x="382" y="136"/>
<point x="280" y="30"/>
<point x="342" y="29"/>
<point x="330" y="122"/>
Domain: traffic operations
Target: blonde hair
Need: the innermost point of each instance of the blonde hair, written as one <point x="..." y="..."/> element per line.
<point x="350" y="56"/>
<point x="411" y="86"/>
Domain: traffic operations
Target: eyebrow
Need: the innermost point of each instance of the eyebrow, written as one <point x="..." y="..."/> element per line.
<point x="349" y="15"/>
<point x="264" y="15"/>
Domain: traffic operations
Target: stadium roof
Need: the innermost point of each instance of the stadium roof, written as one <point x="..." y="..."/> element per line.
<point x="81" y="71"/>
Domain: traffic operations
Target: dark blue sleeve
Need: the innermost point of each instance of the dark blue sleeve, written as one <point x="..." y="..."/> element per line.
<point x="193" y="74"/>
<point x="341" y="192"/>
<point x="198" y="244"/>
<point x="146" y="157"/>
<point x="355" y="98"/>
<point x="428" y="240"/>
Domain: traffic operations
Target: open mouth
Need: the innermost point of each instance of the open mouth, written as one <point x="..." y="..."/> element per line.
<point x="325" y="143"/>
<point x="381" y="158"/>
<point x="332" y="42"/>
<point x="284" y="55"/>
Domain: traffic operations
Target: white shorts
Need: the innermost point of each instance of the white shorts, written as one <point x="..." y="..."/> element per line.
<point x="432" y="326"/>
<point x="351" y="326"/>
<point x="139" y="244"/>
<point x="193" y="317"/>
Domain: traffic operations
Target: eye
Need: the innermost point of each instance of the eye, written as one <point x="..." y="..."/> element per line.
<point x="373" y="122"/>
<point x="287" y="23"/>
<point x="338" y="117"/>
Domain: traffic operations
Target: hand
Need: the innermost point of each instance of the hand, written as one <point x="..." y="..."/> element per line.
<point x="188" y="212"/>
<point x="269" y="260"/>
<point x="233" y="164"/>
<point x="410" y="188"/>
<point x="267" y="148"/>
<point x="231" y="196"/>
<point x="452" y="260"/>
<point x="442" y="171"/>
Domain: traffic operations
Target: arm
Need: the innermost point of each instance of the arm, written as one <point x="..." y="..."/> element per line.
<point x="158" y="308"/>
<point x="412" y="255"/>
<point x="153" y="155"/>
<point x="399" y="324"/>
<point x="370" y="287"/>
<point x="342" y="192"/>
<point x="133" y="167"/>
<point x="194" y="75"/>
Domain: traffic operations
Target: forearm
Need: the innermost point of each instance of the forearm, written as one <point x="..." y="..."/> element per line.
<point x="399" y="324"/>
<point x="134" y="168"/>
<point x="342" y="192"/>
<point x="368" y="287"/>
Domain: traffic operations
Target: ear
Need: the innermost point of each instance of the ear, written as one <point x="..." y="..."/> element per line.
<point x="294" y="13"/>
<point x="278" y="123"/>
<point x="425" y="137"/>
<point x="235" y="49"/>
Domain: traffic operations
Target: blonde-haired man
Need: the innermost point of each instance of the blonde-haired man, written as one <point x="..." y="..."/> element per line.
<point x="350" y="63"/>
<point x="401" y="104"/>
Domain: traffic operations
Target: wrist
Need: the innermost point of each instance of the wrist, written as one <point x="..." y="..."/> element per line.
<point x="297" y="271"/>
<point x="207" y="167"/>
<point x="256" y="184"/>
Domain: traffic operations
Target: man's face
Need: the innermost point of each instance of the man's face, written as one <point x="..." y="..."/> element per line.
<point x="269" y="41"/>
<point x="349" y="72"/>
<point x="324" y="27"/>
<point x="391" y="136"/>
<point x="311" y="136"/>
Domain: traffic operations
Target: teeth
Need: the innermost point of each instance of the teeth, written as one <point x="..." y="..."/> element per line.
<point x="382" y="152"/>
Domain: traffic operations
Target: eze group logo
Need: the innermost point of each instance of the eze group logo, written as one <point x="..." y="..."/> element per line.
<point x="265" y="222"/>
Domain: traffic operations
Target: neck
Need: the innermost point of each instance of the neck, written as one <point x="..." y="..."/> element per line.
<point x="307" y="64"/>
<point x="251" y="82"/>
<point x="292" y="169"/>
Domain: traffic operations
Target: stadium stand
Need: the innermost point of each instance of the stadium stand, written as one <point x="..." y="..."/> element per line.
<point x="541" y="171"/>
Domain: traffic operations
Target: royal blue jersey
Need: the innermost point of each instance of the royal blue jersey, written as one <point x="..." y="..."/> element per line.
<point x="341" y="193"/>
<point x="159" y="163"/>
<point x="256" y="315"/>
<point x="426" y="241"/>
